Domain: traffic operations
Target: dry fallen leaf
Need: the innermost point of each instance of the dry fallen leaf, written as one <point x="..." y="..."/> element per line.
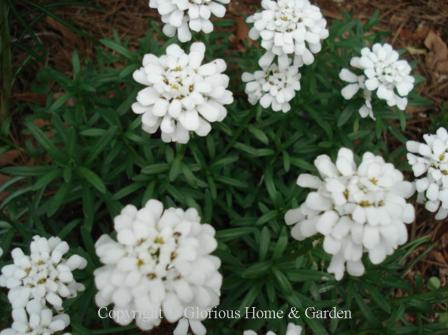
<point x="8" y="158"/>
<point x="31" y="97"/>
<point x="437" y="58"/>
<point x="241" y="33"/>
<point x="70" y="37"/>
<point x="416" y="51"/>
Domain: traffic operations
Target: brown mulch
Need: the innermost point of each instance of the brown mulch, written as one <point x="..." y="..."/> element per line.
<point x="418" y="26"/>
<point x="412" y="23"/>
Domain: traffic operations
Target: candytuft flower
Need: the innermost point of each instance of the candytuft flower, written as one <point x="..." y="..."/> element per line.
<point x="181" y="96"/>
<point x="181" y="16"/>
<point x="36" y="319"/>
<point x="44" y="274"/>
<point x="383" y="73"/>
<point x="289" y="27"/>
<point x="160" y="263"/>
<point x="356" y="208"/>
<point x="273" y="86"/>
<point x="291" y="330"/>
<point x="429" y="163"/>
<point x="184" y="324"/>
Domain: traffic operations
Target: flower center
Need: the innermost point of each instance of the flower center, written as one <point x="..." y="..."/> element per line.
<point x="363" y="192"/>
<point x="276" y="78"/>
<point x="178" y="82"/>
<point x="286" y="19"/>
<point x="154" y="256"/>
<point x="39" y="273"/>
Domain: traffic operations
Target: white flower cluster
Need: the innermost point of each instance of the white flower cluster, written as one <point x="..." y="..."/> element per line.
<point x="429" y="162"/>
<point x="181" y="96"/>
<point x="38" y="283"/>
<point x="291" y="31"/>
<point x="291" y="330"/>
<point x="179" y="16"/>
<point x="289" y="27"/>
<point x="357" y="208"/>
<point x="36" y="319"/>
<point x="160" y="262"/>
<point x="273" y="86"/>
<point x="382" y="72"/>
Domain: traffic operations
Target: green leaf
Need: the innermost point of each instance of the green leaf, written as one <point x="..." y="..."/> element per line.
<point x="175" y="168"/>
<point x="44" y="180"/>
<point x="270" y="186"/>
<point x="397" y="135"/>
<point x="157" y="168"/>
<point x="233" y="233"/>
<point x="225" y="161"/>
<point x="346" y="115"/>
<point x="366" y="311"/>
<point x="282" y="281"/>
<point x="300" y="163"/>
<point x="92" y="178"/>
<point x="379" y="299"/>
<point x="118" y="48"/>
<point x="59" y="102"/>
<point x="58" y="199"/>
<point x="320" y="121"/>
<point x="257" y="270"/>
<point x="127" y="190"/>
<point x="316" y="327"/>
<point x="281" y="245"/>
<point x="101" y="145"/>
<point x="76" y="64"/>
<point x="231" y="181"/>
<point x="15" y="194"/>
<point x="250" y="297"/>
<point x="27" y="171"/>
<point x="269" y="216"/>
<point x="259" y="134"/>
<point x="45" y="142"/>
<point x="265" y="239"/>
<point x="4" y="186"/>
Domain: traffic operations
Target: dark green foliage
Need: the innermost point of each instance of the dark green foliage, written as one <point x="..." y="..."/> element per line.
<point x="92" y="159"/>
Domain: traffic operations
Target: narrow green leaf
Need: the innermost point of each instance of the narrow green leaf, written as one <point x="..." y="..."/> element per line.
<point x="282" y="281"/>
<point x="58" y="199"/>
<point x="101" y="145"/>
<point x="43" y="181"/>
<point x="59" y="102"/>
<point x="265" y="239"/>
<point x="118" y="48"/>
<point x="257" y="270"/>
<point x="281" y="245"/>
<point x="233" y="233"/>
<point x="92" y="179"/>
<point x="45" y="142"/>
<point x="156" y="168"/>
<point x="346" y="115"/>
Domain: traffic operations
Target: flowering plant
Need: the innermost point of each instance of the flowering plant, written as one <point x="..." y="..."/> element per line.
<point x="382" y="73"/>
<point x="357" y="208"/>
<point x="160" y="263"/>
<point x="429" y="163"/>
<point x="207" y="144"/>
